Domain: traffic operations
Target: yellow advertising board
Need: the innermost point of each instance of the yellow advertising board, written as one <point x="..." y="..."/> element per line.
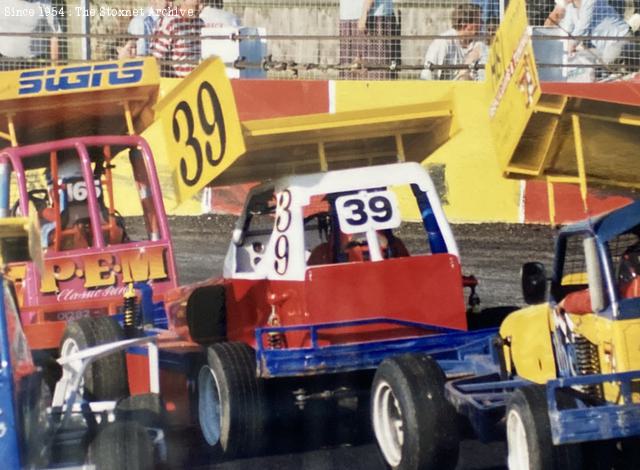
<point x="512" y="79"/>
<point x="50" y="103"/>
<point x="76" y="79"/>
<point x="200" y="127"/>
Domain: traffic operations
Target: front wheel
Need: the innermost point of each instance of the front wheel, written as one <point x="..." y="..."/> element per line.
<point x="413" y="422"/>
<point x="529" y="434"/>
<point x="231" y="407"/>
<point x="122" y="445"/>
<point x="106" y="378"/>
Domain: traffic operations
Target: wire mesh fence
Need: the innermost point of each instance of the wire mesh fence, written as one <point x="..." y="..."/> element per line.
<point x="580" y="40"/>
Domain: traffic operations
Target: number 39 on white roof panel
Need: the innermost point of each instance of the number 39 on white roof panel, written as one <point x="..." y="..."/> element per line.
<point x="366" y="211"/>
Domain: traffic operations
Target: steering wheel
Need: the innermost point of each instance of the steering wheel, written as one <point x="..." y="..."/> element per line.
<point x="39" y="197"/>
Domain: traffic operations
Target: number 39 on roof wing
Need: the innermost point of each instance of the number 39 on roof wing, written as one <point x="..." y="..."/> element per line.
<point x="201" y="128"/>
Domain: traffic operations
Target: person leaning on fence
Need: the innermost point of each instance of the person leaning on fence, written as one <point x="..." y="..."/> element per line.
<point x="143" y="27"/>
<point x="177" y="39"/>
<point x="40" y="21"/>
<point x="580" y="18"/>
<point x="463" y="49"/>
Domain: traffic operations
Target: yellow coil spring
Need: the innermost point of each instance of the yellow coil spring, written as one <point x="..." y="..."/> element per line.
<point x="130" y="307"/>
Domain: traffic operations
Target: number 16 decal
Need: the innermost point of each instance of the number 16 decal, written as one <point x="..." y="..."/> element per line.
<point x="368" y="211"/>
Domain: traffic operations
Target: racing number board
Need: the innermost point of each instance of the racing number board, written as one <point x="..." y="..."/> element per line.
<point x="201" y="127"/>
<point x="364" y="212"/>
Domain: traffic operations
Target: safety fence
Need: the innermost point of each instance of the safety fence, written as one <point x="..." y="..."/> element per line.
<point x="580" y="40"/>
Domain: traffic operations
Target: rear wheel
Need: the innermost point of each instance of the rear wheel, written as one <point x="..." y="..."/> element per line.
<point x="413" y="422"/>
<point x="106" y="378"/>
<point x="529" y="434"/>
<point x="231" y="404"/>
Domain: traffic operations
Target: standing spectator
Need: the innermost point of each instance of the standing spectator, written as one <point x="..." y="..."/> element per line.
<point x="143" y="27"/>
<point x="352" y="43"/>
<point x="362" y="22"/>
<point x="215" y="16"/>
<point x="464" y="49"/>
<point x="378" y="19"/>
<point x="592" y="18"/>
<point x="177" y="39"/>
<point x="40" y="21"/>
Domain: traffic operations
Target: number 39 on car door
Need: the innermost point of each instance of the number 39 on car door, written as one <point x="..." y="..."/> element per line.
<point x="201" y="128"/>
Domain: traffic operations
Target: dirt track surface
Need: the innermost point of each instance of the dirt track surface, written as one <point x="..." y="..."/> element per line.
<point x="493" y="253"/>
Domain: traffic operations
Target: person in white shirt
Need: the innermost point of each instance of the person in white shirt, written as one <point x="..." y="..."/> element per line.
<point x="464" y="49"/>
<point x="20" y="16"/>
<point x="580" y="18"/>
<point x="215" y="16"/>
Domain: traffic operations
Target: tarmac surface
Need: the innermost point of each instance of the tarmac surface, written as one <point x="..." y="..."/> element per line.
<point x="323" y="438"/>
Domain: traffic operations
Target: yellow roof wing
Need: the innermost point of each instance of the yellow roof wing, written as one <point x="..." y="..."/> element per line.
<point x="198" y="139"/>
<point x="569" y="136"/>
<point x="37" y="105"/>
<point x="321" y="142"/>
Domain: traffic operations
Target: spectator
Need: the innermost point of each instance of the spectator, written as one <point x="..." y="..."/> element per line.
<point x="143" y="27"/>
<point x="592" y="18"/>
<point x="352" y="43"/>
<point x="464" y="49"/>
<point x="215" y="16"/>
<point x="37" y="18"/>
<point x="373" y="18"/>
<point x="123" y="48"/>
<point x="377" y="20"/>
<point x="177" y="39"/>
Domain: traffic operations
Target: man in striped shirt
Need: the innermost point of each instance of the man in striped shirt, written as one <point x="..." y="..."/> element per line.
<point x="177" y="39"/>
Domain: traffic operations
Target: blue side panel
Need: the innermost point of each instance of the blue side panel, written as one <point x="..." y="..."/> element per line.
<point x="9" y="442"/>
<point x="592" y="422"/>
<point x="441" y="343"/>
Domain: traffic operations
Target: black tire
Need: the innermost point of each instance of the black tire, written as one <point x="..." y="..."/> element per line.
<point x="147" y="409"/>
<point x="121" y="445"/>
<point x="629" y="457"/>
<point x="206" y="315"/>
<point x="414" y="384"/>
<point x="529" y="434"/>
<point x="231" y="404"/>
<point x="106" y="378"/>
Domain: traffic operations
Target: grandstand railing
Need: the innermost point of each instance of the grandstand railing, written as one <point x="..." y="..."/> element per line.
<point x="302" y="39"/>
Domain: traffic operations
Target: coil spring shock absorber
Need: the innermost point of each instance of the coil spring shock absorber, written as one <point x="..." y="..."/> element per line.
<point x="587" y="363"/>
<point x="275" y="340"/>
<point x="130" y="311"/>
